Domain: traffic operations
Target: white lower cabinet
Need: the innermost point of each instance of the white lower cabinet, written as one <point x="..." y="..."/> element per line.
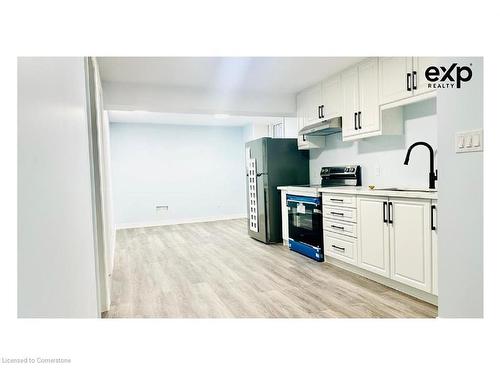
<point x="373" y="235"/>
<point x="434" y="241"/>
<point x="410" y="242"/>
<point x="393" y="237"/>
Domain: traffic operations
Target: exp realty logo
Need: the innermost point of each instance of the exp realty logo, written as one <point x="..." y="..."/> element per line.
<point x="452" y="77"/>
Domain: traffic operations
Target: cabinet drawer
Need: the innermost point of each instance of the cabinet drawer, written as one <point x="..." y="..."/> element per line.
<point x="341" y="200"/>
<point x="339" y="213"/>
<point x="340" y="247"/>
<point x="340" y="227"/>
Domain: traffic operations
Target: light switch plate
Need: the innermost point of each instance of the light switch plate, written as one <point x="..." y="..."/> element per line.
<point x="469" y="141"/>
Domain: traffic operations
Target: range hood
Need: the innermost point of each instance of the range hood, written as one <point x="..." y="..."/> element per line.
<point x="327" y="127"/>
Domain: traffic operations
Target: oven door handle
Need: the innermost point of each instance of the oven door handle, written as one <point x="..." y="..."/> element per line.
<point x="295" y="201"/>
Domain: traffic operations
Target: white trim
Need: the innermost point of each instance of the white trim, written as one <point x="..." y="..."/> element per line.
<point x="94" y="187"/>
<point x="181" y="221"/>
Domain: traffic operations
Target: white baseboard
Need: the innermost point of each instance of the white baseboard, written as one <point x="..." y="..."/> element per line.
<point x="182" y="221"/>
<point x="424" y="296"/>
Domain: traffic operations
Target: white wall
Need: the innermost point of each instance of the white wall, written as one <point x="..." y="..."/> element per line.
<point x="56" y="260"/>
<point x="460" y="223"/>
<point x="386" y="153"/>
<point x="255" y="131"/>
<point x="198" y="171"/>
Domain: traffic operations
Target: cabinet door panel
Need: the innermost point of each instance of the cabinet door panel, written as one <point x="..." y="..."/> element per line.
<point x="410" y="243"/>
<point x="394" y="84"/>
<point x="301" y="108"/>
<point x="313" y="101"/>
<point x="350" y="92"/>
<point x="420" y="65"/>
<point x="332" y="98"/>
<point x="368" y="96"/>
<point x="373" y="235"/>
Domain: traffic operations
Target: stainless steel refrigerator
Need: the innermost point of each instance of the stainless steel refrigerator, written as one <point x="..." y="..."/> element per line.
<point x="271" y="162"/>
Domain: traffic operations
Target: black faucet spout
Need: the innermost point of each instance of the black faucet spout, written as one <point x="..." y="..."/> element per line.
<point x="432" y="172"/>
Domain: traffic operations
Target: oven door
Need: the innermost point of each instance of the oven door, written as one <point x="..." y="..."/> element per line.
<point x="304" y="220"/>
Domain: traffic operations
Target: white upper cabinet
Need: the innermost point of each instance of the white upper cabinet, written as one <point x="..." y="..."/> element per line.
<point x="361" y="117"/>
<point x="395" y="78"/>
<point x="332" y="99"/>
<point x="350" y="98"/>
<point x="313" y="100"/>
<point x="403" y="77"/>
<point x="410" y="242"/>
<point x="368" y="116"/>
<point x="303" y="112"/>
<point x="357" y="95"/>
<point x="420" y="65"/>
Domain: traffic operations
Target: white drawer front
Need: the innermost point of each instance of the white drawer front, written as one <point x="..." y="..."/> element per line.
<point x="341" y="200"/>
<point x="339" y="213"/>
<point x="340" y="227"/>
<point x="340" y="247"/>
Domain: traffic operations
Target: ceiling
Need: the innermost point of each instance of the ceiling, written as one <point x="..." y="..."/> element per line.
<point x="269" y="75"/>
<point x="145" y="117"/>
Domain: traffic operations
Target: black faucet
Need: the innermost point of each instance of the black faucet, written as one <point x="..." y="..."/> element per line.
<point x="433" y="175"/>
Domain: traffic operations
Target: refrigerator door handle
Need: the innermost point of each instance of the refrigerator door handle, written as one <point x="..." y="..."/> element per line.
<point x="266" y="221"/>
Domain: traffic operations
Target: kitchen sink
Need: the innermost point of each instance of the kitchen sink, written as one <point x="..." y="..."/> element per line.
<point x="408" y="189"/>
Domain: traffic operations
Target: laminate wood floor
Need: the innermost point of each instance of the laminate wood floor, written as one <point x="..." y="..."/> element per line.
<point x="214" y="270"/>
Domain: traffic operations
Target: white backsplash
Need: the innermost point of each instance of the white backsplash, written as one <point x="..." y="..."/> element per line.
<point x="381" y="158"/>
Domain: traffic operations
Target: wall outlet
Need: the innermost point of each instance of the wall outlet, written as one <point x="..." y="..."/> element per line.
<point x="470" y="141"/>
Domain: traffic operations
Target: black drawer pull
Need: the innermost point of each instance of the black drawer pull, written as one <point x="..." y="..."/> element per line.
<point x="433" y="227"/>
<point x="339" y="248"/>
<point x="384" y="207"/>
<point x="337" y="213"/>
<point x="336" y="200"/>
<point x="334" y="226"/>
<point x="408" y="77"/>
<point x="414" y="80"/>
<point x="391" y="213"/>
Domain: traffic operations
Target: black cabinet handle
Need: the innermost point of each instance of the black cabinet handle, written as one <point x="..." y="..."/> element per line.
<point x="334" y="226"/>
<point x="319" y="111"/>
<point x="339" y="248"/>
<point x="355" y="120"/>
<point x="303" y="137"/>
<point x="322" y="113"/>
<point x="337" y="213"/>
<point x="359" y="120"/>
<point x="390" y="213"/>
<point x="384" y="208"/>
<point x="408" y="87"/>
<point x="336" y="200"/>
<point x="414" y="80"/>
<point x="433" y="208"/>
